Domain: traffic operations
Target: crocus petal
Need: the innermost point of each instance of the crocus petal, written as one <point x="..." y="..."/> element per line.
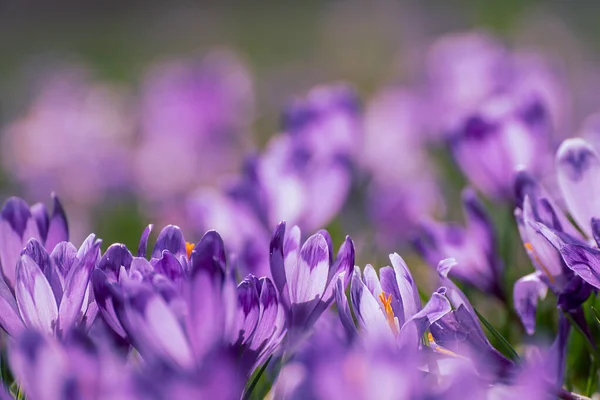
<point x="390" y="286"/>
<point x="9" y="312"/>
<point x="205" y="318"/>
<point x="371" y="280"/>
<point x="76" y="284"/>
<point x="143" y="246"/>
<point x="276" y="258"/>
<point x="10" y="249"/>
<point x="437" y="306"/>
<point x="16" y="212"/>
<point x="103" y="298"/>
<point x="170" y="238"/>
<point x="209" y="255"/>
<point x="58" y="230"/>
<point x="34" y="296"/>
<point x="528" y="290"/>
<point x="37" y="252"/>
<point x="342" y="266"/>
<point x="584" y="261"/>
<point x="408" y="289"/>
<point x="344" y="309"/>
<point x="310" y="278"/>
<point x="269" y="307"/>
<point x="248" y="301"/>
<point x="115" y="257"/>
<point x="578" y="170"/>
<point x="168" y="265"/>
<point x="39" y="212"/>
<point x="370" y="316"/>
<point x="291" y="249"/>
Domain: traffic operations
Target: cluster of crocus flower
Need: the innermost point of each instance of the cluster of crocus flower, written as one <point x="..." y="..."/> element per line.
<point x="178" y="323"/>
<point x="256" y="308"/>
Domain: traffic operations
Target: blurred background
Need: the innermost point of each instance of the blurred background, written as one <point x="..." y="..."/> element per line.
<point x="93" y="95"/>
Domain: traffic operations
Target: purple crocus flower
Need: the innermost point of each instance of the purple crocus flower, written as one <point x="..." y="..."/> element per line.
<point x="474" y="246"/>
<point x="73" y="368"/>
<point x="388" y="309"/>
<point x="52" y="294"/>
<point x="180" y="308"/>
<point x="305" y="275"/>
<point x="19" y="223"/>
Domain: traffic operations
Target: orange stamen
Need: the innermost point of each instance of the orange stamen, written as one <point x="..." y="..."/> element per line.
<point x="389" y="312"/>
<point x="188" y="248"/>
<point x="442" y="350"/>
<point x="533" y="253"/>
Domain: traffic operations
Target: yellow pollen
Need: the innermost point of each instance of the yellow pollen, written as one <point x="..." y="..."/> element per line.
<point x="442" y="350"/>
<point x="389" y="312"/>
<point x="188" y="248"/>
<point x="533" y="253"/>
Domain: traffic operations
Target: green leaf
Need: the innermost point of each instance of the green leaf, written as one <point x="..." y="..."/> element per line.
<point x="506" y="348"/>
<point x="257" y="376"/>
<point x="596" y="314"/>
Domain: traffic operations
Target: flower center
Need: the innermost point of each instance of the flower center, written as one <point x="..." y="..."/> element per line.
<point x="389" y="312"/>
<point x="532" y="253"/>
<point x="188" y="248"/>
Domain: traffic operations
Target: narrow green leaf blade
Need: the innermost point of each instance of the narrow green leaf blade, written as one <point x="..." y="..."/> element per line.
<point x="507" y="349"/>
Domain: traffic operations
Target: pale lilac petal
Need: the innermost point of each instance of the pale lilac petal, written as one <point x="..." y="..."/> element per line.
<point x="437" y="306"/>
<point x="310" y="278"/>
<point x="371" y="280"/>
<point x="344" y="309"/>
<point x="578" y="170"/>
<point x="411" y="302"/>
<point x="343" y="264"/>
<point x="205" y="320"/>
<point x="11" y="246"/>
<point x="76" y="284"/>
<point x="34" y="297"/>
<point x="10" y="320"/>
<point x="368" y="312"/>
<point x="291" y="249"/>
<point x="584" y="261"/>
<point x="527" y="291"/>
<point x="58" y="230"/>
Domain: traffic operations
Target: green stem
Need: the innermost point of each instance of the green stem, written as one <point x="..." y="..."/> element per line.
<point x="260" y="372"/>
<point x="589" y="343"/>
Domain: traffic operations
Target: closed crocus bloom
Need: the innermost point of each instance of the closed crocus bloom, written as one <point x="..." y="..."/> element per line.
<point x="19" y="223"/>
<point x="305" y="275"/>
<point x="52" y="290"/>
<point x="474" y="246"/>
<point x="508" y="131"/>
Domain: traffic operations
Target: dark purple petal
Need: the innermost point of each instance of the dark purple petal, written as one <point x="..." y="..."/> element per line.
<point x="574" y="294"/>
<point x="103" y="297"/>
<point x="344" y="309"/>
<point x="269" y="306"/>
<point x="16" y="212"/>
<point x="248" y="302"/>
<point x="584" y="261"/>
<point x="170" y="238"/>
<point x="115" y="257"/>
<point x="38" y="254"/>
<point x="76" y="284"/>
<point x="528" y="290"/>
<point x="596" y="230"/>
<point x="169" y="266"/>
<point x="437" y="306"/>
<point x="143" y="246"/>
<point x="343" y="264"/>
<point x="276" y="258"/>
<point x="35" y="299"/>
<point x="209" y="255"/>
<point x="578" y="170"/>
<point x="58" y="230"/>
<point x="40" y="213"/>
<point x="327" y="237"/>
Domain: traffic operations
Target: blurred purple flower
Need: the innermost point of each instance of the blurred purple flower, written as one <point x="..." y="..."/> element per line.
<point x="473" y="246"/>
<point x="402" y="188"/>
<point x="195" y="117"/>
<point x="305" y="275"/>
<point x="73" y="140"/>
